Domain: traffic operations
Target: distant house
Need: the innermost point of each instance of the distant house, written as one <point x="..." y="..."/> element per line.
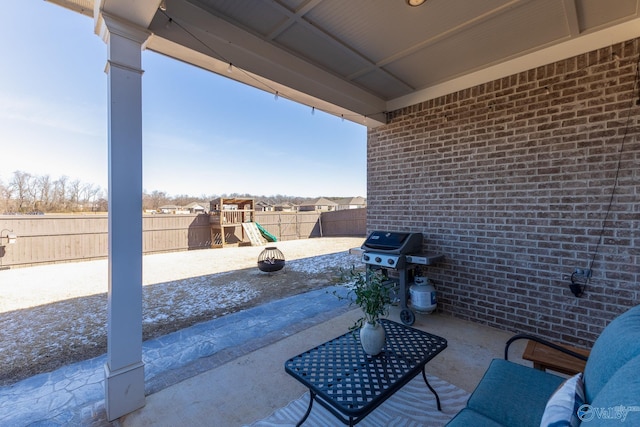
<point x="173" y="209"/>
<point x="319" y="205"/>
<point x="286" y="207"/>
<point x="351" y="203"/>
<point x="264" y="207"/>
<point x="194" y="207"/>
<point x="168" y="209"/>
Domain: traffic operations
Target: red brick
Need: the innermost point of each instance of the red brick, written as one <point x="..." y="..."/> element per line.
<point x="511" y="180"/>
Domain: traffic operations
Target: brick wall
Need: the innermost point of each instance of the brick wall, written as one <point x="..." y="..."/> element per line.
<point x="511" y="181"/>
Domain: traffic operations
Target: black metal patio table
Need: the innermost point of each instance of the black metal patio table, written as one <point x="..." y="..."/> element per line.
<point x="350" y="384"/>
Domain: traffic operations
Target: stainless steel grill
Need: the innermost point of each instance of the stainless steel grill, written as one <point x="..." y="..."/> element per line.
<point x="400" y="251"/>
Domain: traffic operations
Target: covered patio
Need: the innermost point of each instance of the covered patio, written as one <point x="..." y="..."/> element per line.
<point x="252" y="386"/>
<point x="505" y="131"/>
<point x="226" y="368"/>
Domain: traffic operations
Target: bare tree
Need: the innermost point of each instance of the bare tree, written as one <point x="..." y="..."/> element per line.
<point x="22" y="188"/>
<point x="154" y="200"/>
<point x="75" y="187"/>
<point x="43" y="189"/>
<point x="89" y="196"/>
<point x="60" y="194"/>
<point x="101" y="204"/>
<point x="183" y="199"/>
<point x="5" y="198"/>
<point x="26" y="193"/>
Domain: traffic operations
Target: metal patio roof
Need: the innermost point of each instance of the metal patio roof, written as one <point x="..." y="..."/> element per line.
<point x="361" y="58"/>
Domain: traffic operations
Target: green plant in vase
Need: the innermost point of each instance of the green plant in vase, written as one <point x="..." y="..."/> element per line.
<point x="372" y="291"/>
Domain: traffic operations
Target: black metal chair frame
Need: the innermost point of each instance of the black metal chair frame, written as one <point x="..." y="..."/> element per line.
<point x="541" y="341"/>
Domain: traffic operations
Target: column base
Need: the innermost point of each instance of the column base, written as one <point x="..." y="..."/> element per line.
<point x="124" y="390"/>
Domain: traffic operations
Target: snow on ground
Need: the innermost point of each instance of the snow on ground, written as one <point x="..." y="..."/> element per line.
<point x="190" y="297"/>
<point x="320" y="264"/>
<point x="33" y="286"/>
<point x="55" y="314"/>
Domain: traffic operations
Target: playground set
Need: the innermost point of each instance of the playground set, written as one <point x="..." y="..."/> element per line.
<point x="233" y="223"/>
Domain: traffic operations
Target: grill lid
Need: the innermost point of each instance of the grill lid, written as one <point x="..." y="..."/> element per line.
<point x="393" y="242"/>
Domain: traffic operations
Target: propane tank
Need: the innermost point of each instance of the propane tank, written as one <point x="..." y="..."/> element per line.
<point x="423" y="295"/>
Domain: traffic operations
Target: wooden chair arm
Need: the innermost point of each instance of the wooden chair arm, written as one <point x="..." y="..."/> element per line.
<point x="543" y="342"/>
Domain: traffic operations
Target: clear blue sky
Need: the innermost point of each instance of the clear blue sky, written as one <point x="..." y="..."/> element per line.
<point x="203" y="134"/>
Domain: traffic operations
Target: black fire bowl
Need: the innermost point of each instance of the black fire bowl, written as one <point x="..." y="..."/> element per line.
<point x="269" y="266"/>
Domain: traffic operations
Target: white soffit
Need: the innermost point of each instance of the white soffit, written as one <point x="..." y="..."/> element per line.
<point x="586" y="43"/>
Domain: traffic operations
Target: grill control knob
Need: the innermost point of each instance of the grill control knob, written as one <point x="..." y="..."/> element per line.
<point x="378" y="259"/>
<point x="366" y="257"/>
<point x="390" y="261"/>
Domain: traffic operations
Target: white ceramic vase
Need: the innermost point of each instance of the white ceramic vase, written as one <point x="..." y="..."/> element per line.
<point x="372" y="338"/>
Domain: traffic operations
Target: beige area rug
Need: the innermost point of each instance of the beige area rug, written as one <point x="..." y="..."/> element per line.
<point x="412" y="406"/>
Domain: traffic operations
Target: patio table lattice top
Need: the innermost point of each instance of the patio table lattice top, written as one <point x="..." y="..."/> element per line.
<point x="340" y="371"/>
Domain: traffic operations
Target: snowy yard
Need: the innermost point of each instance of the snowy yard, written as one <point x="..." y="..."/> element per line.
<point x="57" y="314"/>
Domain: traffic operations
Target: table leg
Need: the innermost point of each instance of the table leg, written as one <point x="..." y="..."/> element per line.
<point x="424" y="375"/>
<point x="312" y="396"/>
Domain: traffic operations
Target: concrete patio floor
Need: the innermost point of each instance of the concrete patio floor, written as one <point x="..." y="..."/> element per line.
<point x="253" y="385"/>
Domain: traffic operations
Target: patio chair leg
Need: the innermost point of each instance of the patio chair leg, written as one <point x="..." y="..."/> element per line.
<point x="312" y="396"/>
<point x="424" y="375"/>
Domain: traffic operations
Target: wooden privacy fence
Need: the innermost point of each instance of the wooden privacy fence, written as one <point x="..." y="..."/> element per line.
<point x="304" y="225"/>
<point x="290" y="225"/>
<point x="46" y="239"/>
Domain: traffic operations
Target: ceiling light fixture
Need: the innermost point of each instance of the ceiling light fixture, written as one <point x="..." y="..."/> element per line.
<point x="415" y="3"/>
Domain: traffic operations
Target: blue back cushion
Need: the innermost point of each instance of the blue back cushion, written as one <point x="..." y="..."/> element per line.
<point x="618" y="343"/>
<point x="618" y="402"/>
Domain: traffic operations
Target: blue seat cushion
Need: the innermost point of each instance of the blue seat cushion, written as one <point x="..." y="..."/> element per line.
<point x="616" y="345"/>
<point x="513" y="395"/>
<point x="469" y="418"/>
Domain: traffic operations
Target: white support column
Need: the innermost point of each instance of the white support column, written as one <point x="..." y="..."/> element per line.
<point x="124" y="370"/>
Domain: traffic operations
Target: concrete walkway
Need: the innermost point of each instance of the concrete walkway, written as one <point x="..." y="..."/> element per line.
<point x="74" y="394"/>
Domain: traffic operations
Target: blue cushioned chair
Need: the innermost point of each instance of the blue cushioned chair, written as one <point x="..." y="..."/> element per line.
<point x="511" y="394"/>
